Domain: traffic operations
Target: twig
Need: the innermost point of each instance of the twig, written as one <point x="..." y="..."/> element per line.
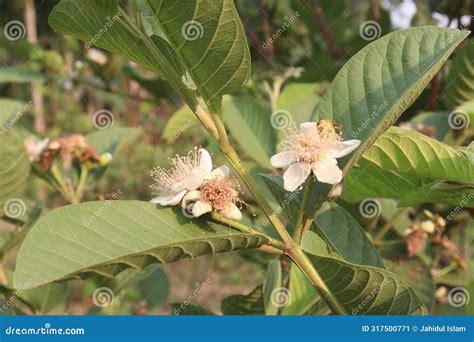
<point x="325" y="31"/>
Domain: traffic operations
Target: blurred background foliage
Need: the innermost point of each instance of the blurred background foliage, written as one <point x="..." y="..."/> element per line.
<point x="57" y="83"/>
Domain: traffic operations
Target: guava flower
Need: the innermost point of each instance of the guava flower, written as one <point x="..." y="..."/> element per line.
<point x="35" y="147"/>
<point x="314" y="147"/>
<point x="188" y="173"/>
<point x="218" y="192"/>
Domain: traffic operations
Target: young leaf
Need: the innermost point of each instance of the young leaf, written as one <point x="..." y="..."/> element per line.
<point x="401" y="162"/>
<point x="380" y="82"/>
<point x="209" y="41"/>
<point x="107" y="237"/>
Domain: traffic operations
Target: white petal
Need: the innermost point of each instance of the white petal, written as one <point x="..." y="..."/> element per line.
<point x="169" y="200"/>
<point x="190" y="182"/>
<point x="205" y="164"/>
<point x="232" y="212"/>
<point x="283" y="159"/>
<point x="327" y="171"/>
<point x="308" y="127"/>
<point x="343" y="148"/>
<point x="295" y="176"/>
<point x="220" y="172"/>
<point x="200" y="208"/>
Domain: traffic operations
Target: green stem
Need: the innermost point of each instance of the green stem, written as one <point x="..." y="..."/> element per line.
<point x="79" y="193"/>
<point x="244" y="229"/>
<point x="65" y="192"/>
<point x="300" y="220"/>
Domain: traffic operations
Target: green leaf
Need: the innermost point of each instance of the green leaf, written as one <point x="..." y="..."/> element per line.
<point x="107" y="237"/>
<point x="460" y="82"/>
<point x="361" y="290"/>
<point x="182" y="120"/>
<point x="248" y="122"/>
<point x="440" y="192"/>
<point x="403" y="164"/>
<point x="380" y="82"/>
<point x="271" y="287"/>
<point x="209" y="41"/>
<point x="14" y="172"/>
<point x="342" y="232"/>
<point x="111" y="139"/>
<point x="247" y="305"/>
<point x="366" y="290"/>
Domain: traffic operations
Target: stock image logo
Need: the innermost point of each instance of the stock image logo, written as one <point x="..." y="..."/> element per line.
<point x="103" y="296"/>
<point x="14" y="30"/>
<point x="103" y="119"/>
<point x="192" y="30"/>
